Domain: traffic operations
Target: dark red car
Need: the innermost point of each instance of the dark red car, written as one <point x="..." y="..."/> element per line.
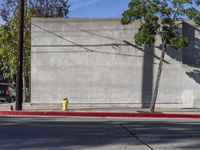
<point x="7" y="92"/>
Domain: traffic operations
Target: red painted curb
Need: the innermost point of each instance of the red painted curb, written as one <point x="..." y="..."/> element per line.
<point x="99" y="114"/>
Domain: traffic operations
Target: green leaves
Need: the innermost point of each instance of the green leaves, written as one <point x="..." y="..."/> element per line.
<point x="127" y="17"/>
<point x="197" y="2"/>
<point x="136" y="11"/>
<point x="179" y="42"/>
<point x="8" y="52"/>
<point x="160" y="17"/>
<point x="9" y="31"/>
<point x="145" y="35"/>
<point x="39" y="8"/>
<point x="49" y="8"/>
<point x="193" y="13"/>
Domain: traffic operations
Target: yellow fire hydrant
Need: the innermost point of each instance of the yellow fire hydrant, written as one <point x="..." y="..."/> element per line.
<point x="64" y="103"/>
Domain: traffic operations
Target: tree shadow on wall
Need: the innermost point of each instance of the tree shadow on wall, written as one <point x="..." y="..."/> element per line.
<point x="195" y="75"/>
<point x="191" y="55"/>
<point x="116" y="47"/>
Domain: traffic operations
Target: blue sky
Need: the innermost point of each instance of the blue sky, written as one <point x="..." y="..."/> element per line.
<point x="95" y="8"/>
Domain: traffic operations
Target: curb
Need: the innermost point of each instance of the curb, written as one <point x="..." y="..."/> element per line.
<point x="98" y="114"/>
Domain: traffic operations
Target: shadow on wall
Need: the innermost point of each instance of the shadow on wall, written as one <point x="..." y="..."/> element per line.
<point x="116" y="45"/>
<point x="147" y="74"/>
<point x="195" y="75"/>
<point x="174" y="54"/>
<point x="191" y="55"/>
<point x="147" y="77"/>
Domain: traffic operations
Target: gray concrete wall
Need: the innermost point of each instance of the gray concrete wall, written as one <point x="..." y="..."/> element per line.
<point x="95" y="62"/>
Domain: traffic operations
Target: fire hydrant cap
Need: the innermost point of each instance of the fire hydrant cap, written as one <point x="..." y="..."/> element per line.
<point x="64" y="98"/>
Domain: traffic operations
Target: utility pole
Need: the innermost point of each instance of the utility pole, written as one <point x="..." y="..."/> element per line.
<point x="19" y="80"/>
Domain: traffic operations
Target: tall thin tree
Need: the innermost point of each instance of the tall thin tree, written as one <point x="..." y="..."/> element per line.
<point x="161" y="18"/>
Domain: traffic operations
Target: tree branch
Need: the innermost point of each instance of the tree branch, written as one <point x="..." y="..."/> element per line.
<point x="176" y="12"/>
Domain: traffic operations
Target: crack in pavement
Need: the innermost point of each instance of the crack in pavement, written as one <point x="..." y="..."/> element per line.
<point x="133" y="134"/>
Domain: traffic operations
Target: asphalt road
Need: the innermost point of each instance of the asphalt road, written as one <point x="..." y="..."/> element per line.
<point x="83" y="133"/>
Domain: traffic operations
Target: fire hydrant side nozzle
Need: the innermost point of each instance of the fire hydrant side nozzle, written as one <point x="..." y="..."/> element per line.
<point x="64" y="103"/>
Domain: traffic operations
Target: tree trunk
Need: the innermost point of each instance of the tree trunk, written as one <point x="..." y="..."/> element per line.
<point x="155" y="92"/>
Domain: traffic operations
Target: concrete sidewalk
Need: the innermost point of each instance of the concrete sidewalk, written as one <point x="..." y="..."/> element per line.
<point x="55" y="110"/>
<point x="74" y="108"/>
